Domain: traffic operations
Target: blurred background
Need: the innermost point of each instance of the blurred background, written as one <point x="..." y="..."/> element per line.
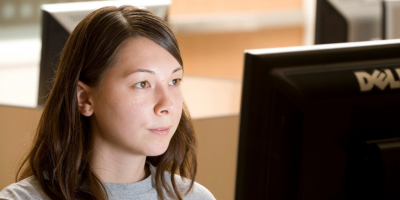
<point x="212" y="35"/>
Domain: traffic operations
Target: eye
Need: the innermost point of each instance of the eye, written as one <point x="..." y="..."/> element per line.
<point x="143" y="84"/>
<point x="175" y="81"/>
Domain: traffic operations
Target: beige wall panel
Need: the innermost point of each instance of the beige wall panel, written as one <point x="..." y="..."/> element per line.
<point x="222" y="55"/>
<point x="219" y="6"/>
<point x="17" y="126"/>
<point x="218" y="143"/>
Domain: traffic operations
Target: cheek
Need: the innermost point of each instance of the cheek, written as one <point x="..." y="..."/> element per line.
<point x="122" y="110"/>
<point x="137" y="108"/>
<point x="179" y="105"/>
<point x="177" y="97"/>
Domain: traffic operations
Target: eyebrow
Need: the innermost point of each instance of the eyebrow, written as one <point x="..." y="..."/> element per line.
<point x="127" y="73"/>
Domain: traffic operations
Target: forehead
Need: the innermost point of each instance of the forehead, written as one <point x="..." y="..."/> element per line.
<point x="143" y="53"/>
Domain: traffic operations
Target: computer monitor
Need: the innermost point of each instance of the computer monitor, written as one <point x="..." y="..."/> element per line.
<point x="340" y="21"/>
<point x="58" y="22"/>
<point x="391" y="19"/>
<point x="320" y="122"/>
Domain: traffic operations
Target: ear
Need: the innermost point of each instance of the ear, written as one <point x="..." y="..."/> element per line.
<point x="84" y="102"/>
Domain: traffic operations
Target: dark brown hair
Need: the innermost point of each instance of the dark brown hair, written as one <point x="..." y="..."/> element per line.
<point x="60" y="154"/>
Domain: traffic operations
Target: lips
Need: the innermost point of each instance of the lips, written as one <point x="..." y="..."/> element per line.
<point x="161" y="130"/>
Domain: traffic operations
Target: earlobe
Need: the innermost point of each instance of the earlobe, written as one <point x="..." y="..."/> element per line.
<point x="84" y="102"/>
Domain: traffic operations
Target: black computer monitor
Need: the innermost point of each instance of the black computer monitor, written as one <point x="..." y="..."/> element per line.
<point x="320" y="122"/>
<point x="391" y="19"/>
<point x="338" y="21"/>
<point x="58" y="22"/>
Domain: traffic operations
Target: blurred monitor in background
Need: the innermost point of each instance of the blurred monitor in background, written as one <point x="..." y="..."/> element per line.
<point x="59" y="20"/>
<point x="356" y="20"/>
<point x="320" y="122"/>
<point x="391" y="19"/>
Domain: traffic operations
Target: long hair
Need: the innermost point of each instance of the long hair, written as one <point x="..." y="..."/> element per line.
<point x="60" y="153"/>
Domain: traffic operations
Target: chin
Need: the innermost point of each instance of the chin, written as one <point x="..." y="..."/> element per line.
<point x="157" y="150"/>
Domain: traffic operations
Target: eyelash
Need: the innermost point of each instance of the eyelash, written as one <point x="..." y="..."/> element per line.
<point x="139" y="85"/>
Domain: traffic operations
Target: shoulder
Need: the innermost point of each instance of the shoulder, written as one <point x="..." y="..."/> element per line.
<point x="28" y="188"/>
<point x="198" y="192"/>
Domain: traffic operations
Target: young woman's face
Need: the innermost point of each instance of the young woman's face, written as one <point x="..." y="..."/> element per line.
<point x="138" y="105"/>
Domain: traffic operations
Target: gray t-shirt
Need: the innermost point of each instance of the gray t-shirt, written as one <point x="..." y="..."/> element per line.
<point x="30" y="188"/>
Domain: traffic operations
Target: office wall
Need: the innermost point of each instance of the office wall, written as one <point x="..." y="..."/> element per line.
<point x="222" y="54"/>
<point x="179" y="7"/>
<point x="14" y="12"/>
<point x="17" y="128"/>
<point x="218" y="143"/>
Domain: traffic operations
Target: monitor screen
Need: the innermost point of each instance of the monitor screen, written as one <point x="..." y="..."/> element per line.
<point x="58" y="22"/>
<point x="320" y="122"/>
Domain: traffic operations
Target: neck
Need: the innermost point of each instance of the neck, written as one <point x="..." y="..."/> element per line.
<point x="112" y="165"/>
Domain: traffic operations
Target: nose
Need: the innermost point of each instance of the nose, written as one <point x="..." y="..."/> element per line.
<point x="165" y="104"/>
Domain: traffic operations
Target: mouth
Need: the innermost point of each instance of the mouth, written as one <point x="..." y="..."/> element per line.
<point x="161" y="130"/>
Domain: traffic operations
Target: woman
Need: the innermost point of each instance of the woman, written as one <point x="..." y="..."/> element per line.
<point x="115" y="125"/>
